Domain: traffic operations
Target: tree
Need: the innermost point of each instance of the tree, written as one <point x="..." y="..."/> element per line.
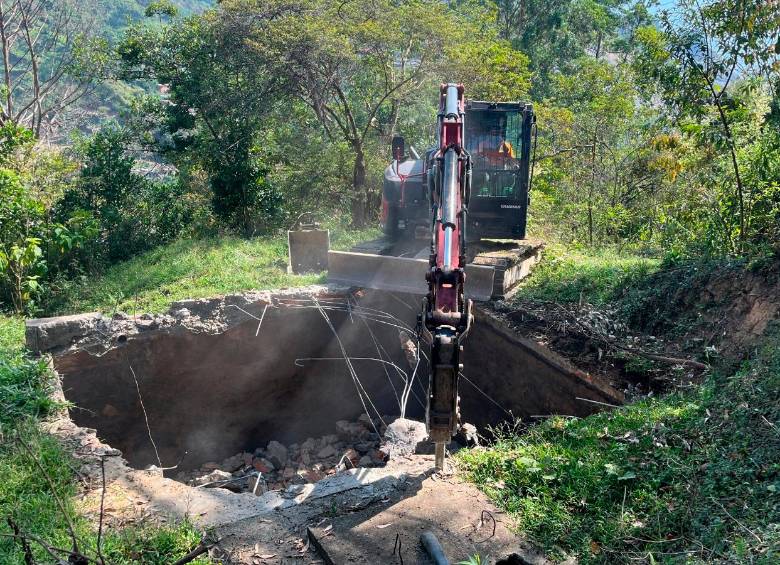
<point x="702" y="48"/>
<point x="357" y="65"/>
<point x="21" y="262"/>
<point x="218" y="93"/>
<point x="492" y="71"/>
<point x="349" y="61"/>
<point x="555" y="34"/>
<point x="51" y="59"/>
<point x="587" y="144"/>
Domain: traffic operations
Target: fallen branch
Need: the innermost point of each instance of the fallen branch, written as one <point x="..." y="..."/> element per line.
<point x="195" y="553"/>
<point x="664" y="359"/>
<point x="73" y="558"/>
<point x="28" y="556"/>
<point x="596" y="402"/>
<point x="589" y="332"/>
<point x="660" y="358"/>
<point x="102" y="510"/>
<point x="201" y="548"/>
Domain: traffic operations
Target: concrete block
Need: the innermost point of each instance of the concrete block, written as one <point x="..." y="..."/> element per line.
<point x="47" y="334"/>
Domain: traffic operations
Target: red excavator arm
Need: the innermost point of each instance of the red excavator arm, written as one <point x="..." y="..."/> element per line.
<point x="446" y="316"/>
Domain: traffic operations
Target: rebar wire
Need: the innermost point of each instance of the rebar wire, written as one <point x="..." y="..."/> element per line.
<point x="486" y="395"/>
<point x="260" y="323"/>
<point x="352" y="372"/>
<point x="373" y="315"/>
<point x="404" y="327"/>
<point x="299" y="360"/>
<point x="400" y="327"/>
<point x="259" y="320"/>
<point x="402" y="301"/>
<point x="146" y="416"/>
<point x="349" y="308"/>
<point x="379" y="352"/>
<point x="404" y="376"/>
<point x="338" y="304"/>
<point x="408" y="382"/>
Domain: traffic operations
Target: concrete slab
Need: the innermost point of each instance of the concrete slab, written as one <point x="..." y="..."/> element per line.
<point x="46" y="334"/>
<point x="308" y="251"/>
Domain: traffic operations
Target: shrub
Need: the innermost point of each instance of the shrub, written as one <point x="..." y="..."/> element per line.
<point x="21" y="258"/>
<point x="133" y="214"/>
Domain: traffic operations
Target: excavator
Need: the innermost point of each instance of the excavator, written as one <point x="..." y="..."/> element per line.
<point x="473" y="185"/>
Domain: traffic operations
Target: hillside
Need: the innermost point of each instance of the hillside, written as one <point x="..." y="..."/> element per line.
<point x="119" y="12"/>
<point x="688" y="471"/>
<point x="112" y="98"/>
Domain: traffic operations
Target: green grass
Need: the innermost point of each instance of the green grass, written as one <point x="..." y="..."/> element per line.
<point x="596" y="277"/>
<point x="669" y="300"/>
<point x="687" y="477"/>
<point x="190" y="269"/>
<point x="693" y="477"/>
<point x="26" y="496"/>
<point x="24" y="382"/>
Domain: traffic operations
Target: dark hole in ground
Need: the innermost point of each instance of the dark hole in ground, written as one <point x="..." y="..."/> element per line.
<point x="213" y="395"/>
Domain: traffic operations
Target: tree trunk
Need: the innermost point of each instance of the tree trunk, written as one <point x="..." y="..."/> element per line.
<point x="360" y="200"/>
<point x="737" y="176"/>
<point x="592" y="189"/>
<point x="590" y="222"/>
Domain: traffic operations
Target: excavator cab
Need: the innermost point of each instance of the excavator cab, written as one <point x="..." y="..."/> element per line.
<point x="499" y="138"/>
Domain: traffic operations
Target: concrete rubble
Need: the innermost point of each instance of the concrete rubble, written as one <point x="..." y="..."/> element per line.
<point x="277" y="466"/>
<point x="356" y="445"/>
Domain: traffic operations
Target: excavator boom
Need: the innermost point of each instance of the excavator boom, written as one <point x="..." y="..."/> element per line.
<point x="446" y="314"/>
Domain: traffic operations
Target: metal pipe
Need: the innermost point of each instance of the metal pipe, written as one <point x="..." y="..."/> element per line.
<point x="450" y="193"/>
<point x="451" y="107"/>
<point x="447" y="263"/>
<point x="434" y="548"/>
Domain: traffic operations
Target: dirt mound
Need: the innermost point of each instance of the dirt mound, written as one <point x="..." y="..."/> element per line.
<point x="716" y="309"/>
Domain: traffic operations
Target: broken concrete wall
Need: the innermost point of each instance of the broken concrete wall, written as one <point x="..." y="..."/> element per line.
<point x="515" y="374"/>
<point x="213" y="385"/>
<point x="211" y="395"/>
